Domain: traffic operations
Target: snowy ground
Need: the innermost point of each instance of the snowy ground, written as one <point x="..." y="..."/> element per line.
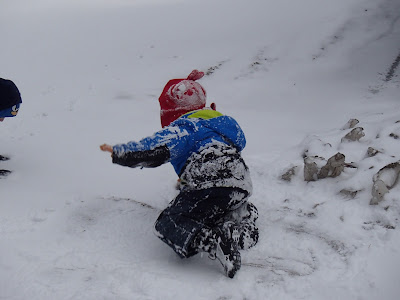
<point x="291" y="72"/>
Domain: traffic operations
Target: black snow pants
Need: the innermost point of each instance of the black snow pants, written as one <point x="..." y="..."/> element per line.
<point x="193" y="210"/>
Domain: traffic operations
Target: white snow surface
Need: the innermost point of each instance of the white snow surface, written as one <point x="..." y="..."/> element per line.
<point x="292" y="73"/>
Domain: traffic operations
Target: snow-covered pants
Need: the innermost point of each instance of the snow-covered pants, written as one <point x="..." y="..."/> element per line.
<point x="193" y="210"/>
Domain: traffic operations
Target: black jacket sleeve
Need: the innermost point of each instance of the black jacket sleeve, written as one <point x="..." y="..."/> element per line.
<point x="147" y="158"/>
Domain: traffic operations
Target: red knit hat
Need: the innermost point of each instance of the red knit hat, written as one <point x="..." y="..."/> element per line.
<point x="181" y="96"/>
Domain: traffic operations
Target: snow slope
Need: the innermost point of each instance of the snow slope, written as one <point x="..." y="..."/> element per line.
<point x="74" y="226"/>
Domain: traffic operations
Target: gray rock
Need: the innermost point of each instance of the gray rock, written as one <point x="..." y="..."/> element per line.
<point x="351" y="124"/>
<point x="310" y="168"/>
<point x="372" y="152"/>
<point x="348" y="193"/>
<point x="383" y="181"/>
<point x="333" y="167"/>
<point x="289" y="174"/>
<point x="355" y="135"/>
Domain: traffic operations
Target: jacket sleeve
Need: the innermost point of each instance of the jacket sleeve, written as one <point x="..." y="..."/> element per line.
<point x="146" y="158"/>
<point x="152" y="151"/>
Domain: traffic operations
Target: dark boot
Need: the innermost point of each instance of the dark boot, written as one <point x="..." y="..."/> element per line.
<point x="245" y="219"/>
<point x="248" y="235"/>
<point x="221" y="243"/>
<point x="226" y="250"/>
<point x="248" y="229"/>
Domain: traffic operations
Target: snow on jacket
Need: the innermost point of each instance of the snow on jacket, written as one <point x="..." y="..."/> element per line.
<point x="203" y="146"/>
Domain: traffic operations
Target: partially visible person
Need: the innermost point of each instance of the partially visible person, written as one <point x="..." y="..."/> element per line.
<point x="10" y="101"/>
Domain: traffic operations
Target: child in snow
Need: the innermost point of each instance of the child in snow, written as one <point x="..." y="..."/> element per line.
<point x="10" y="100"/>
<point x="211" y="213"/>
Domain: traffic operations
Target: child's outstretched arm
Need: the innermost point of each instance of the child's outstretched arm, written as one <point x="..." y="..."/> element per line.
<point x="147" y="158"/>
<point x="151" y="151"/>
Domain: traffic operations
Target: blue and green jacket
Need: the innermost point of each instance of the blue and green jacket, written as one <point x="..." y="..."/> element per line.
<point x="203" y="146"/>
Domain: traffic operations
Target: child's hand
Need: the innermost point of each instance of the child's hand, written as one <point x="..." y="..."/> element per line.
<point x="106" y="148"/>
